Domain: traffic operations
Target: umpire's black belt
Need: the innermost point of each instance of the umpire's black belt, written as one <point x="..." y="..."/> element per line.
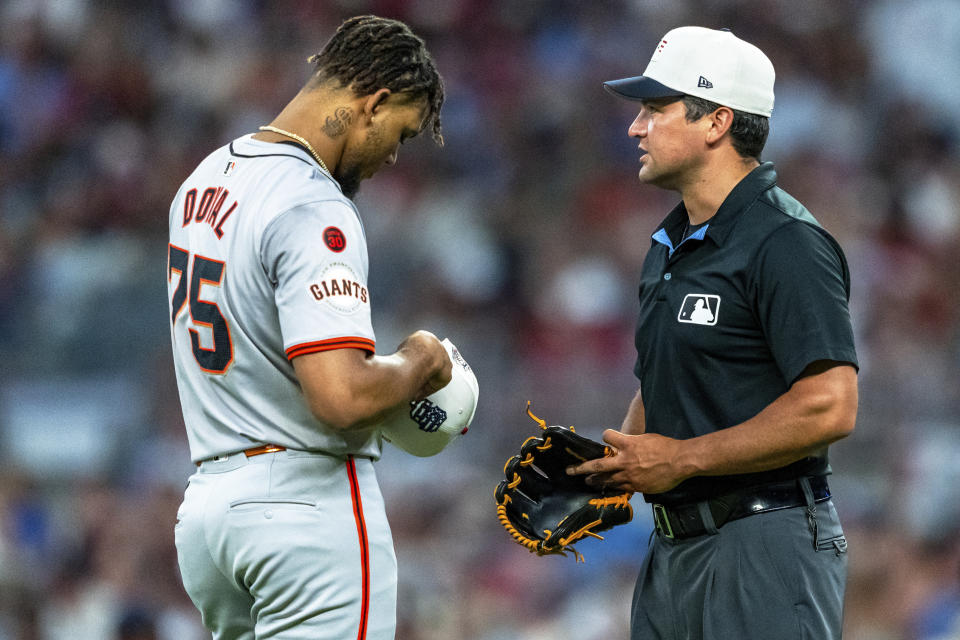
<point x="687" y="520"/>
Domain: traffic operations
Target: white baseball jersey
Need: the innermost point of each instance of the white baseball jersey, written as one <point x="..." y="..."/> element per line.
<point x="267" y="261"/>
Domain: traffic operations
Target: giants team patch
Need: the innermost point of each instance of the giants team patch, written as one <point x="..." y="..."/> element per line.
<point x="340" y="288"/>
<point x="334" y="239"/>
<point x="699" y="308"/>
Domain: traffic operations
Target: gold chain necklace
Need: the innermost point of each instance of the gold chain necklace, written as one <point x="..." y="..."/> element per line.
<point x="299" y="139"/>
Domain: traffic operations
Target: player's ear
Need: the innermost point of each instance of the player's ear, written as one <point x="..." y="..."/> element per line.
<point x="373" y="103"/>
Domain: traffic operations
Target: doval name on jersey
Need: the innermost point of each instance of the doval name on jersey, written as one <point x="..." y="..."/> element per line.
<point x="208" y="209"/>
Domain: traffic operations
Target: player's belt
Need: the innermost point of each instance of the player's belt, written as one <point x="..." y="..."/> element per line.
<point x="677" y="522"/>
<point x="266" y="448"/>
<point x="255" y="451"/>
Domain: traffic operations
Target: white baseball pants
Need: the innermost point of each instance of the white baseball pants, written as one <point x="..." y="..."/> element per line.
<point x="288" y="546"/>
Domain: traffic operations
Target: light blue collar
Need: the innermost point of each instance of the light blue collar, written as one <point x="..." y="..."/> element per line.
<point x="662" y="237"/>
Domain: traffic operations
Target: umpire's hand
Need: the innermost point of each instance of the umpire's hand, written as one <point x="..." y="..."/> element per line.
<point x="644" y="463"/>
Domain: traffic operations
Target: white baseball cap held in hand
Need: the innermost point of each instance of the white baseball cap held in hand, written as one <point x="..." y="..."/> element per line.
<point x="425" y="428"/>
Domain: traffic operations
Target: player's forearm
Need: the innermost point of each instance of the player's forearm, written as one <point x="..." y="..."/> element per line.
<point x="347" y="389"/>
<point x="815" y="412"/>
<point x="388" y="384"/>
<point x="635" y="421"/>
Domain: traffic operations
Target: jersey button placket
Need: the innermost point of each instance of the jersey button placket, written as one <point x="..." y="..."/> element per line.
<point x="662" y="288"/>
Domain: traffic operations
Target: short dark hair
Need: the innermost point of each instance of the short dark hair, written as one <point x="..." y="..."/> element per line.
<point x="368" y="53"/>
<point x="748" y="132"/>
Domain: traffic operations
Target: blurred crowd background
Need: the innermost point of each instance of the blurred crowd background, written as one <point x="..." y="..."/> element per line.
<point x="521" y="240"/>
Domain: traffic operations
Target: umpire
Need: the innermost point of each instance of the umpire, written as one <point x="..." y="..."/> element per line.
<point x="746" y="363"/>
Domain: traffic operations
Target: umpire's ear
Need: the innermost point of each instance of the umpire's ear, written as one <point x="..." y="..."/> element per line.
<point x="719" y="122"/>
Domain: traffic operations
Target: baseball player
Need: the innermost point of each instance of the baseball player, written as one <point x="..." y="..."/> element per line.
<point x="282" y="531"/>
<point x="746" y="363"/>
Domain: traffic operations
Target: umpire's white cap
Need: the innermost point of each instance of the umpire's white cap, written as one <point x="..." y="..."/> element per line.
<point x="707" y="63"/>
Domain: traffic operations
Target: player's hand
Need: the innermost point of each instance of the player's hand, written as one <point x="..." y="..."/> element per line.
<point x="425" y="345"/>
<point x="434" y="384"/>
<point x="644" y="463"/>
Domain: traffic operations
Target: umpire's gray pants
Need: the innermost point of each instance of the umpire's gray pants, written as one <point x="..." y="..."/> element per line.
<point x="771" y="576"/>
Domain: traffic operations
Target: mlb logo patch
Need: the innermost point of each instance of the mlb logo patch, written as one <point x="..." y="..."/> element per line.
<point x="699" y="308"/>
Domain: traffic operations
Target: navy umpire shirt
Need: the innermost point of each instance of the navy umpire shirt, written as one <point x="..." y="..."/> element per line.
<point x="731" y="316"/>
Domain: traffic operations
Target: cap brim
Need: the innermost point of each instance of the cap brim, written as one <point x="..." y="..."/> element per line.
<point x="640" y="88"/>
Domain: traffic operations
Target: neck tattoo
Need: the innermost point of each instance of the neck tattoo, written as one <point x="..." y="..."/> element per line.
<point x="299" y="139"/>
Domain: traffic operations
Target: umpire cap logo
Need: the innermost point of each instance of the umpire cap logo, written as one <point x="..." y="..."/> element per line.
<point x="428" y="415"/>
<point x="699" y="308"/>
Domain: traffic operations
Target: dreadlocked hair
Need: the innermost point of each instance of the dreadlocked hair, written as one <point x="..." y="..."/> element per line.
<point x="368" y="53"/>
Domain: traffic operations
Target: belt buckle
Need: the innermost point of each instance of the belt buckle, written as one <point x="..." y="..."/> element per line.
<point x="661" y="521"/>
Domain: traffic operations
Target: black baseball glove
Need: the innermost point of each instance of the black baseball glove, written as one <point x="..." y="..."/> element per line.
<point x="543" y="508"/>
